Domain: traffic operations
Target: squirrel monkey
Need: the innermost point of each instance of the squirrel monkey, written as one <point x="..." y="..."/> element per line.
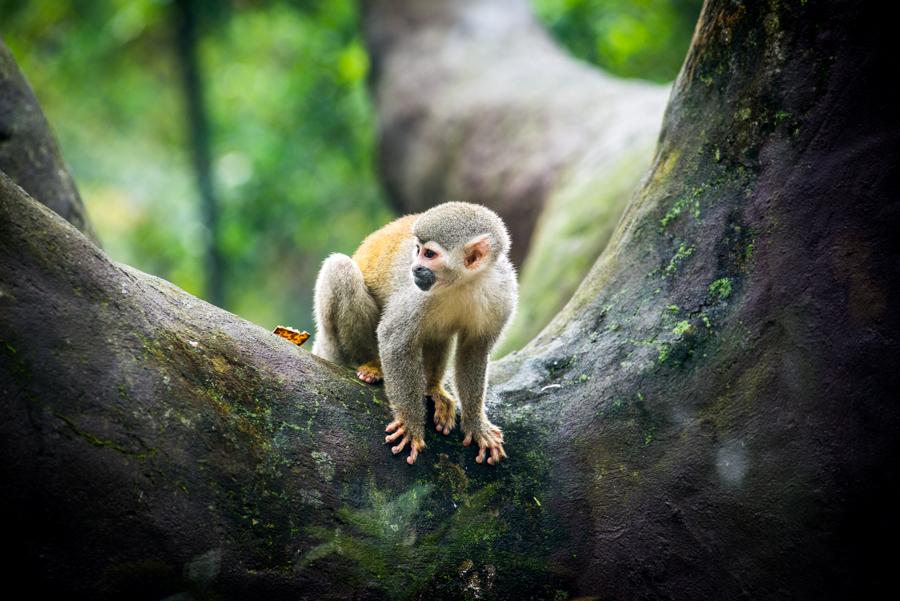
<point x="394" y="310"/>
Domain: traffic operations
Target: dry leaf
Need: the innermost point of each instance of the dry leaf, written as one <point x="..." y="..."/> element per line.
<point x="295" y="336"/>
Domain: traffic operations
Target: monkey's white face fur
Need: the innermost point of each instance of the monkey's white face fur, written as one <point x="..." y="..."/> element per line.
<point x="434" y="268"/>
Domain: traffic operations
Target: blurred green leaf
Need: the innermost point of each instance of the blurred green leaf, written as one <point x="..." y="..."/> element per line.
<point x="645" y="39"/>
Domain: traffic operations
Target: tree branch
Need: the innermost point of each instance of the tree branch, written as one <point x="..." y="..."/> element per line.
<point x="475" y="102"/>
<point x="166" y="445"/>
<point x="29" y="153"/>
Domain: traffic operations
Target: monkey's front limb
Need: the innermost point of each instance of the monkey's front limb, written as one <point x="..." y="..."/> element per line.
<point x="434" y="355"/>
<point x="404" y="381"/>
<point x="408" y="427"/>
<point x="471" y="379"/>
<point x="416" y="443"/>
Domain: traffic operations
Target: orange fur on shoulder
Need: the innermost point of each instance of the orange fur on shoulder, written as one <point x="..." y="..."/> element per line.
<point x="375" y="256"/>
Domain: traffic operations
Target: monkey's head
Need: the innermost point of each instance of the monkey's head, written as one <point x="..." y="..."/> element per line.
<point x="456" y="242"/>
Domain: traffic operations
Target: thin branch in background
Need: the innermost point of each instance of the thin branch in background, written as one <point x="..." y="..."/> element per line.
<point x="198" y="126"/>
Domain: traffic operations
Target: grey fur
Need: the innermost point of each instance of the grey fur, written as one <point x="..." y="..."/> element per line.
<point x="400" y="348"/>
<point x="452" y="224"/>
<point x="471" y="379"/>
<point x="346" y="314"/>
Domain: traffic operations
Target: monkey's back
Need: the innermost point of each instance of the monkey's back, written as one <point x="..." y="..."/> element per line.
<point x="378" y="254"/>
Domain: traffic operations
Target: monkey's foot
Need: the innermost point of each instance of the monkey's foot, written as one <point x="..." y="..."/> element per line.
<point x="416" y="442"/>
<point x="369" y="373"/>
<point x="444" y="410"/>
<point x="489" y="440"/>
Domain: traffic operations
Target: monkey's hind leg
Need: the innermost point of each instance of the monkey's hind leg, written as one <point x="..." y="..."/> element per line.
<point x="370" y="372"/>
<point x="346" y="318"/>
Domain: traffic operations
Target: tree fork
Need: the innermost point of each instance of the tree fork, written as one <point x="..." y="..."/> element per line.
<point x="711" y="416"/>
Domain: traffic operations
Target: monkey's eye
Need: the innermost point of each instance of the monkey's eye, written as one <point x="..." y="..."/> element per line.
<point x="430" y="254"/>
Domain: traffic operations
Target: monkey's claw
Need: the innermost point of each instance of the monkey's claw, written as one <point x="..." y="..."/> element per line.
<point x="490" y="441"/>
<point x="416" y="443"/>
<point x="444" y="411"/>
<point x="370" y="373"/>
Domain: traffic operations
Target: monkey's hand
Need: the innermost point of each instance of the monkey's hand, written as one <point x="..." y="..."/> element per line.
<point x="413" y="436"/>
<point x="444" y="410"/>
<point x="489" y="439"/>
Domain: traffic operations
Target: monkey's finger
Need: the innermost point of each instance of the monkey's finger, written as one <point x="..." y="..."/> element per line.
<point x="495" y="456"/>
<point x="467" y="440"/>
<point x="400" y="446"/>
<point x="393" y="425"/>
<point x="481" y="453"/>
<point x="503" y="453"/>
<point x="446" y="430"/>
<point x="413" y="454"/>
<point x="395" y="435"/>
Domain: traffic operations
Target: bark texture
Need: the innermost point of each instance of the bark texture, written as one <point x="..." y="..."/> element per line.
<point x="712" y="416"/>
<point x="475" y="102"/>
<point x="29" y="153"/>
<point x="729" y="360"/>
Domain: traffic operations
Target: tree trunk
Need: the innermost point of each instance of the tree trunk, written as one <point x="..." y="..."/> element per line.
<point x="475" y="102"/>
<point x="710" y="417"/>
<point x="29" y="153"/>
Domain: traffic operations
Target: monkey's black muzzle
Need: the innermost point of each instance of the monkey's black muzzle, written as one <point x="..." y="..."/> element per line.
<point x="423" y="277"/>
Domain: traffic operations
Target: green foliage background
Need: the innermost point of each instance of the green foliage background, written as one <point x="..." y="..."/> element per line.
<point x="645" y="39"/>
<point x="292" y="127"/>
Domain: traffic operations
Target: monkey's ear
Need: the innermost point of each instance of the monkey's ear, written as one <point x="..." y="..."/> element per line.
<point x="476" y="251"/>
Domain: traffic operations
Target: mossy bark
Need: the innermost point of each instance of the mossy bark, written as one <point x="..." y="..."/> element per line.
<point x="712" y="416"/>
